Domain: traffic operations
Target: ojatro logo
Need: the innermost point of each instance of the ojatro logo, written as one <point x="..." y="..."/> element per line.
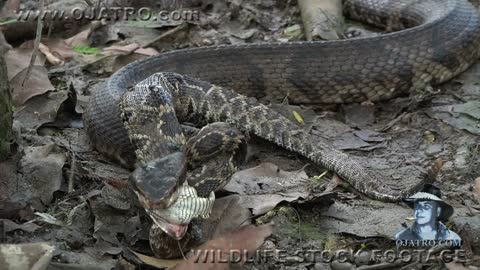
<point x="428" y="229"/>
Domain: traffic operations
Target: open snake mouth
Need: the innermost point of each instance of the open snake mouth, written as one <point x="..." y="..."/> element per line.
<point x="174" y="219"/>
<point x="176" y="231"/>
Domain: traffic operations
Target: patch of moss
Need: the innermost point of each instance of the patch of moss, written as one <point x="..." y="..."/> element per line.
<point x="333" y="242"/>
<point x="288" y="224"/>
<point x="312" y="232"/>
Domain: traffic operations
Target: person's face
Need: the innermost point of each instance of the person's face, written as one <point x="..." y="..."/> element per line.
<point x="426" y="211"/>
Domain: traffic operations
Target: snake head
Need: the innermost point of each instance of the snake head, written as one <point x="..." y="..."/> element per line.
<point x="156" y="182"/>
<point x="163" y="192"/>
<point x="156" y="185"/>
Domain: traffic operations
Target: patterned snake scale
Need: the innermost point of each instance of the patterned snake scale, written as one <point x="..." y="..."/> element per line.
<point x="434" y="40"/>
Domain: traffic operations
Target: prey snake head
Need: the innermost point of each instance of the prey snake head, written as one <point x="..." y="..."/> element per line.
<point x="163" y="192"/>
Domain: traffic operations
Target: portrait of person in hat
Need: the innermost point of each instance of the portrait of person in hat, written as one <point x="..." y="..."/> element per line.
<point x="429" y="213"/>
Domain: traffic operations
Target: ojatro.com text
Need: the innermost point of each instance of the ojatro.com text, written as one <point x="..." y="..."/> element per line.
<point x="110" y="13"/>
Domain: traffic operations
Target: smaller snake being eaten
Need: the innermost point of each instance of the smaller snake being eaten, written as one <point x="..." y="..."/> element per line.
<point x="136" y="119"/>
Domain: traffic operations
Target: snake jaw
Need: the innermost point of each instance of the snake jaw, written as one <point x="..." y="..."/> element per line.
<point x="157" y="182"/>
<point x="176" y="231"/>
<point x="174" y="220"/>
<point x="164" y="193"/>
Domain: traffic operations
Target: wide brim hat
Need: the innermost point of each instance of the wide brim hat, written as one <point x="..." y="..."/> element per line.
<point x="447" y="210"/>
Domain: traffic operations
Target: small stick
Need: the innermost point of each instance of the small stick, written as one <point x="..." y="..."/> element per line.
<point x="72" y="172"/>
<point x="393" y="122"/>
<point x="50" y="25"/>
<point x="170" y="32"/>
<point x="37" y="43"/>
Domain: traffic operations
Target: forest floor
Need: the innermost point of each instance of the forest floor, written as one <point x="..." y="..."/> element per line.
<point x="57" y="189"/>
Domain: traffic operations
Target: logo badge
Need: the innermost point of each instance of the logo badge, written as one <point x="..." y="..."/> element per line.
<point x="430" y="211"/>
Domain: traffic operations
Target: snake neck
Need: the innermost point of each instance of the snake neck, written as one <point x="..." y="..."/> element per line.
<point x="200" y="102"/>
<point x="443" y="41"/>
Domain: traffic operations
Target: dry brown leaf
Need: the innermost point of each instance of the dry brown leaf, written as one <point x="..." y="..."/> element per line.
<point x="60" y="48"/>
<point x="147" y="51"/>
<point x="81" y="39"/>
<point x="264" y="186"/>
<point x="18" y="59"/>
<point x="366" y="219"/>
<point x="36" y="84"/>
<point x="9" y="225"/>
<point x="40" y="109"/>
<point x="456" y="266"/>
<point x="228" y="214"/>
<point x="119" y="49"/>
<point x="156" y="262"/>
<point x="42" y="169"/>
<point x="10" y="209"/>
<point x="133" y="47"/>
<point x="117" y="56"/>
<point x="336" y="181"/>
<point x="214" y="254"/>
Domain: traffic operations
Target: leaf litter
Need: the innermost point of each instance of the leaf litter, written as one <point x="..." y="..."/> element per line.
<point x="96" y="221"/>
<point x="263" y="187"/>
<point x="37" y="83"/>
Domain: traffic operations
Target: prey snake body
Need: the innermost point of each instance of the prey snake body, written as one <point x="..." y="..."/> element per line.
<point x="437" y="39"/>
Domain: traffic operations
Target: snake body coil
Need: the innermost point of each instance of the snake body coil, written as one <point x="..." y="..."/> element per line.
<point x="438" y="39"/>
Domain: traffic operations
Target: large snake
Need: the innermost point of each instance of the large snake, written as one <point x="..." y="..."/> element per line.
<point x="434" y="41"/>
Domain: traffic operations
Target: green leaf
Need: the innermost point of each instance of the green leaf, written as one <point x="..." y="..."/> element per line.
<point x="7" y="21"/>
<point x="298" y="117"/>
<point x="86" y="50"/>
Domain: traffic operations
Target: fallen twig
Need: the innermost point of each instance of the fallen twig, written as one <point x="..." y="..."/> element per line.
<point x="170" y="32"/>
<point x="72" y="172"/>
<point x="52" y="59"/>
<point x="37" y="43"/>
<point x="393" y="122"/>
